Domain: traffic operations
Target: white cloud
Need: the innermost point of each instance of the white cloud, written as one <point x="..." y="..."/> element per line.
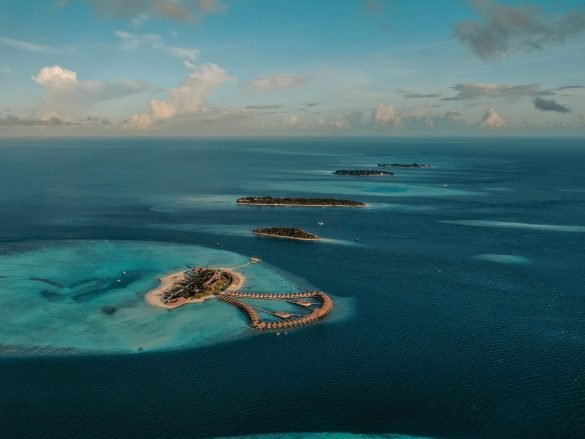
<point x="483" y="90"/>
<point x="386" y="115"/>
<point x="342" y="123"/>
<point x="292" y="120"/>
<point x="131" y="40"/>
<point x="184" y="53"/>
<point x="31" y="47"/>
<point x="277" y="82"/>
<point x="188" y="99"/>
<point x="56" y="76"/>
<point x="68" y="98"/>
<point x="491" y="119"/>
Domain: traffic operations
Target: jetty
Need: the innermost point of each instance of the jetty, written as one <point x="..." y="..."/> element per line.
<point x="287" y="320"/>
<point x="198" y="284"/>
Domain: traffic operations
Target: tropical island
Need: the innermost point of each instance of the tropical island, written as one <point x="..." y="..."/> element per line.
<point x="403" y="165"/>
<point x="363" y="173"/>
<point x="299" y="202"/>
<point x="195" y="285"/>
<point x="286" y="232"/>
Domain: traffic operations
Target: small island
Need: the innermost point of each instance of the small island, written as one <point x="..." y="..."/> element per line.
<point x="363" y="173"/>
<point x="193" y="286"/>
<point x="299" y="202"/>
<point x="403" y="165"/>
<point x="287" y="233"/>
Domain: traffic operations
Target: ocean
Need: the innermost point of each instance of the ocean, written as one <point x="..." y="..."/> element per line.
<point x="459" y="297"/>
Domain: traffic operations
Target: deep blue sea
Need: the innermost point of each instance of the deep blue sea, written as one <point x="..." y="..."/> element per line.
<point x="459" y="291"/>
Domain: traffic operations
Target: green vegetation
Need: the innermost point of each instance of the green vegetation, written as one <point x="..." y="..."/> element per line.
<point x="403" y="165"/>
<point x="198" y="283"/>
<point x="363" y="173"/>
<point x="275" y="201"/>
<point x="286" y="232"/>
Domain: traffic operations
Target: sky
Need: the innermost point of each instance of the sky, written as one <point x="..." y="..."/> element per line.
<point x="292" y="67"/>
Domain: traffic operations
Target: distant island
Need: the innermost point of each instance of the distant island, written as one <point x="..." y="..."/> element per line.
<point x="403" y="165"/>
<point x="363" y="173"/>
<point x="299" y="202"/>
<point x="286" y="232"/>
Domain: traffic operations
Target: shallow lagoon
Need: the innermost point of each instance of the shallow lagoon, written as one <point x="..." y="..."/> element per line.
<point x="88" y="296"/>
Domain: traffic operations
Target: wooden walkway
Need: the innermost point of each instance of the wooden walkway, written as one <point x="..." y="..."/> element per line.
<point x="257" y="323"/>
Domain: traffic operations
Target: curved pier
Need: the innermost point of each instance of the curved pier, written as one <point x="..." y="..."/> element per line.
<point x="256" y="321"/>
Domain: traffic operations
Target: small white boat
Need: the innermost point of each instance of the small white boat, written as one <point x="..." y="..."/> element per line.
<point x="321" y="223"/>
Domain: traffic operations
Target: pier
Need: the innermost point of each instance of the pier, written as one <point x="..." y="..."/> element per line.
<point x="200" y="283"/>
<point x="288" y="320"/>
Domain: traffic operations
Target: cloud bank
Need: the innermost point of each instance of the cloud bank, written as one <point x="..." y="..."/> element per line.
<point x="386" y="115"/>
<point x="481" y="90"/>
<point x="188" y="99"/>
<point x="406" y="94"/>
<point x="67" y="98"/>
<point x="491" y="119"/>
<point x="550" y="105"/>
<point x="505" y="29"/>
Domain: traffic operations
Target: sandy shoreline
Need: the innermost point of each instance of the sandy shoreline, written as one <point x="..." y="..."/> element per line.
<point x="238" y="279"/>
<point x="153" y="296"/>
<point x="286" y="237"/>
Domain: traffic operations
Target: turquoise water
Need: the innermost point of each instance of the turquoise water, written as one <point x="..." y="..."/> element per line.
<point x="504" y="259"/>
<point x="525" y="226"/>
<point x="327" y="436"/>
<point x="88" y="296"/>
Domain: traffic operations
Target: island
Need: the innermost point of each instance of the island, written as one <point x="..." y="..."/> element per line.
<point x="195" y="285"/>
<point x="287" y="233"/>
<point x="299" y="202"/>
<point x="403" y="165"/>
<point x="363" y="173"/>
